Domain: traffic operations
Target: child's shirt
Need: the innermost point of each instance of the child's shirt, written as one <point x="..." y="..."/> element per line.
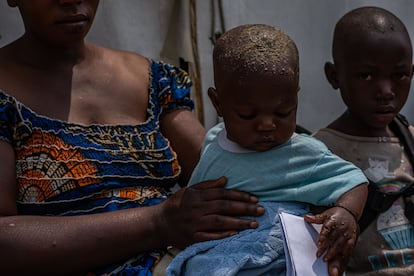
<point x="302" y="169"/>
<point x="386" y="246"/>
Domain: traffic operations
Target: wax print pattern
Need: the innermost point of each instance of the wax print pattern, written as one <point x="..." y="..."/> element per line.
<point x="68" y="169"/>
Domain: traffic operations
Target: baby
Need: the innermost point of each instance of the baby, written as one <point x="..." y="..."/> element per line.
<point x="256" y="71"/>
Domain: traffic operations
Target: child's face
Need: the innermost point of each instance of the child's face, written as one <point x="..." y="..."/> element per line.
<point x="260" y="113"/>
<point x="57" y="22"/>
<point x="374" y="76"/>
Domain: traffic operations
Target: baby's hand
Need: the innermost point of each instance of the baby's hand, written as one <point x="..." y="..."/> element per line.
<point x="338" y="236"/>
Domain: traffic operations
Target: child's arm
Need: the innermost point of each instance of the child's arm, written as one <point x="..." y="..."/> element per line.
<point x="340" y="229"/>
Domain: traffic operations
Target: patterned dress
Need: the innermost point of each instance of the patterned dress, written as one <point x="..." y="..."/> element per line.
<point x="66" y="169"/>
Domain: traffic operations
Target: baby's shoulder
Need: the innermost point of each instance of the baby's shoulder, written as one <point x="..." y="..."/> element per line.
<point x="308" y="140"/>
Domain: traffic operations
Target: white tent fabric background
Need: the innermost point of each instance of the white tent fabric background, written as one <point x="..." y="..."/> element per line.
<point x="145" y="26"/>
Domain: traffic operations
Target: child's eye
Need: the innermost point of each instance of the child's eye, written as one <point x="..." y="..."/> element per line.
<point x="283" y="115"/>
<point x="365" y="76"/>
<point x="401" y="76"/>
<point x="246" y="116"/>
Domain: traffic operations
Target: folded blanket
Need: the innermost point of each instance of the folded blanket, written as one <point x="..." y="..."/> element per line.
<point x="251" y="252"/>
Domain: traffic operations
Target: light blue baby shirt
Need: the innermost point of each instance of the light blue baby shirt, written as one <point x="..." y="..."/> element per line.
<point x="302" y="169"/>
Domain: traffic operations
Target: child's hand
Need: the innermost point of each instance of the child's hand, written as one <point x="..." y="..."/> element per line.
<point x="338" y="236"/>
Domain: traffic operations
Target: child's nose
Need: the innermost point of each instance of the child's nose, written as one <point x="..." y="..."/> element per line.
<point x="266" y="124"/>
<point x="385" y="90"/>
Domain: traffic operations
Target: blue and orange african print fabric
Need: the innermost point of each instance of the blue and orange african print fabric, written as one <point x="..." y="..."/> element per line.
<point x="72" y="169"/>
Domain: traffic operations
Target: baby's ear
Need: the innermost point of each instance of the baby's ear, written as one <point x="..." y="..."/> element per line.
<point x="212" y="93"/>
<point x="330" y="73"/>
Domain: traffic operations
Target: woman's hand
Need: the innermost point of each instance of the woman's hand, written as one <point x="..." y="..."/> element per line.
<point x="337" y="238"/>
<point x="206" y="211"/>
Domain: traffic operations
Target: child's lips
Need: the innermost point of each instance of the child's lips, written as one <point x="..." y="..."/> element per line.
<point x="72" y="19"/>
<point x="385" y="114"/>
<point x="265" y="143"/>
<point x="75" y="21"/>
<point x="385" y="109"/>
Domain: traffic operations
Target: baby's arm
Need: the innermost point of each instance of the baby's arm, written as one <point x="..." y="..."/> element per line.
<point x="340" y="229"/>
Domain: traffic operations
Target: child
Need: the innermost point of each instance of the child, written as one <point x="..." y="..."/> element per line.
<point x="256" y="77"/>
<point x="372" y="68"/>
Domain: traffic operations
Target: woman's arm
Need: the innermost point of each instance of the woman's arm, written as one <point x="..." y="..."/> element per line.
<point x="41" y="245"/>
<point x="52" y="245"/>
<point x="186" y="135"/>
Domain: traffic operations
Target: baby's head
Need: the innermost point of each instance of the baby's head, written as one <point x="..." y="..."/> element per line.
<point x="256" y="75"/>
<point x="372" y="67"/>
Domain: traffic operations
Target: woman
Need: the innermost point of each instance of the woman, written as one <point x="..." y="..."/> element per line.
<point x="88" y="135"/>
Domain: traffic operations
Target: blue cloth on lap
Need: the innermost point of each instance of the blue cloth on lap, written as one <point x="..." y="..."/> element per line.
<point x="251" y="252"/>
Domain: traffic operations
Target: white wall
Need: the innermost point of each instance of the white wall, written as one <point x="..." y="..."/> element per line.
<point x="142" y="25"/>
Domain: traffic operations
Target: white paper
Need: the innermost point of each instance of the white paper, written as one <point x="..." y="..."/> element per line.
<point x="300" y="247"/>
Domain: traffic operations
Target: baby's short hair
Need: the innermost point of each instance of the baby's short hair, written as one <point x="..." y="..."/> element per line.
<point x="365" y="20"/>
<point x="256" y="48"/>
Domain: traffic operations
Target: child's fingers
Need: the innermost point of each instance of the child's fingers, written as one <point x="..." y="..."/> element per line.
<point x="323" y="240"/>
<point x="336" y="266"/>
<point x="333" y="235"/>
<point x="317" y="219"/>
<point x="334" y="249"/>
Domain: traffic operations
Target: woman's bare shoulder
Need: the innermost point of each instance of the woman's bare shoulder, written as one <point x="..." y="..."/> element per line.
<point x="127" y="69"/>
<point x="128" y="60"/>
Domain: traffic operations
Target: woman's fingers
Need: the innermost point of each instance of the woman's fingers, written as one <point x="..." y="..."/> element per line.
<point x="208" y="211"/>
<point x="223" y="223"/>
<point x="214" y="190"/>
<point x="233" y="208"/>
<point x="212" y="198"/>
<point x="227" y="226"/>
